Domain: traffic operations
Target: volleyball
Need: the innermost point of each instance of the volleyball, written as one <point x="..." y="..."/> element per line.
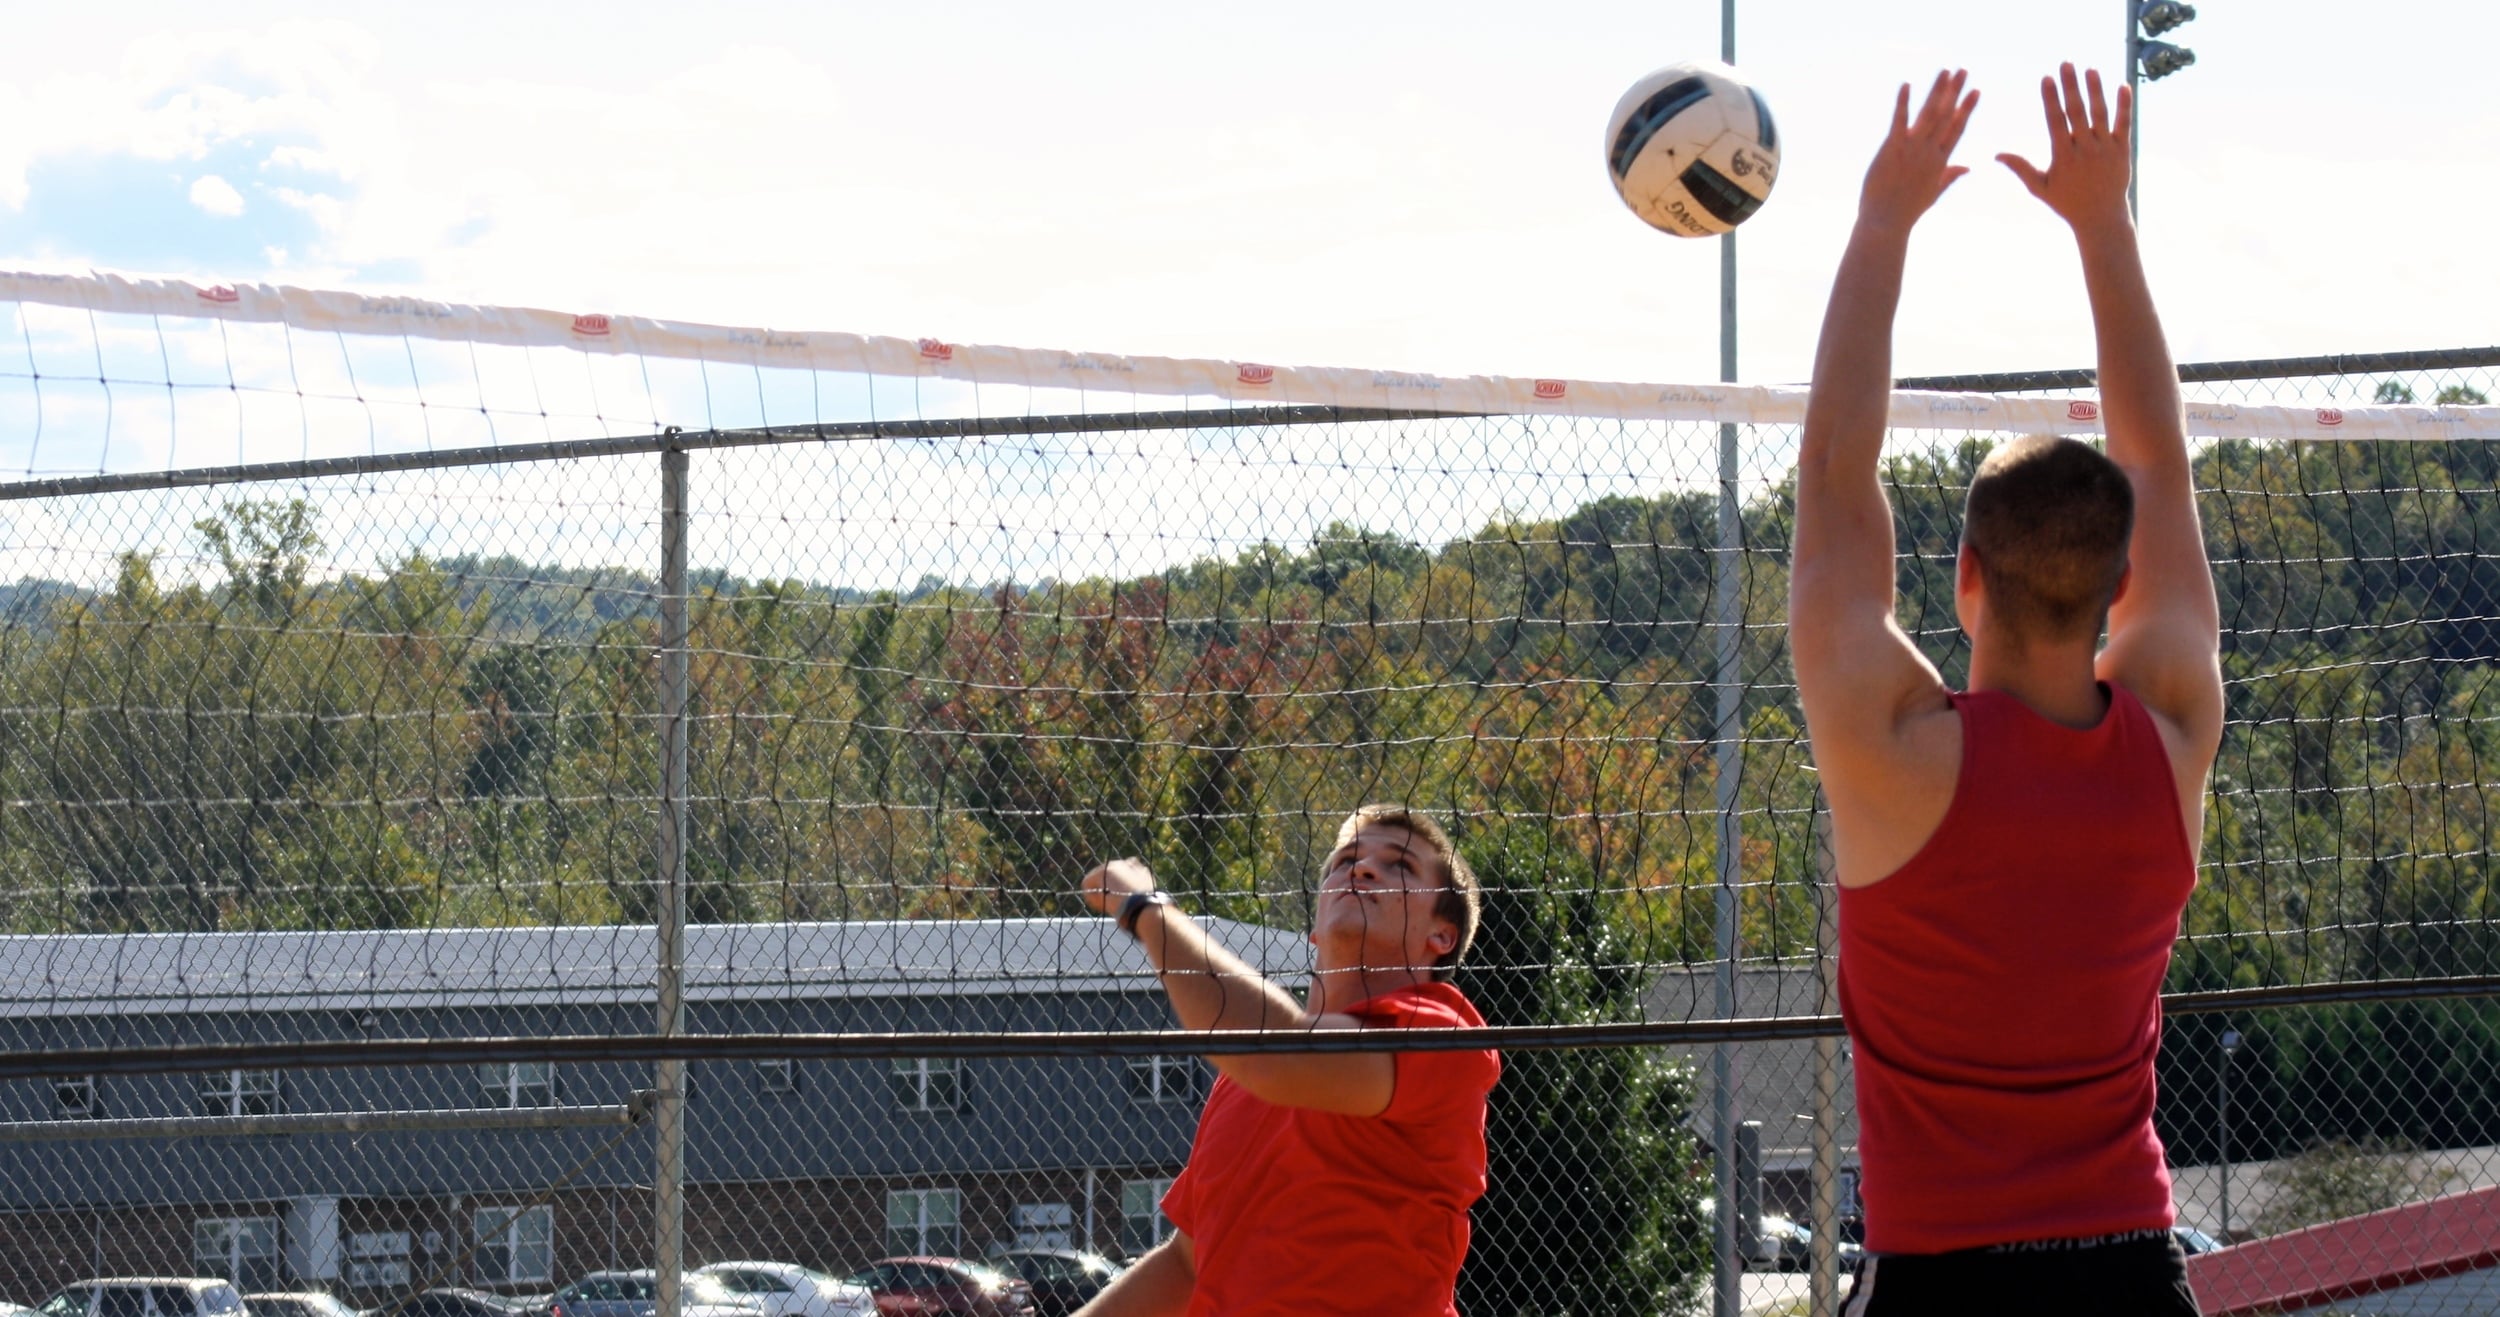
<point x="1692" y="150"/>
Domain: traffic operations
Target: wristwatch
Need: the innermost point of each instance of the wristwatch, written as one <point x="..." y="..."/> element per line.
<point x="1135" y="904"/>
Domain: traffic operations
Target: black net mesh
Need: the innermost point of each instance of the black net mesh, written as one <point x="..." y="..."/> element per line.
<point x="372" y="751"/>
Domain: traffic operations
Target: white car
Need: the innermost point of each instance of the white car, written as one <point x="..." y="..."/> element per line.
<point x="787" y="1289"/>
<point x="140" y="1296"/>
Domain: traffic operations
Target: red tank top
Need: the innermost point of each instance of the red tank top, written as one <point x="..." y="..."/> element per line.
<point x="2003" y="989"/>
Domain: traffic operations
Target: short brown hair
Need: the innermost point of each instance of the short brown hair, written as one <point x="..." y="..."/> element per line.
<point x="2050" y="518"/>
<point x="1459" y="902"/>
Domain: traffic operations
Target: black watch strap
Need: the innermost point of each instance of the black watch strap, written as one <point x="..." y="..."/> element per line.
<point x="1136" y="904"/>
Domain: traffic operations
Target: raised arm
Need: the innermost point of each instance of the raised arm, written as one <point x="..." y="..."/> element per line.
<point x="1159" y="1284"/>
<point x="2165" y="638"/>
<point x="1857" y="674"/>
<point x="1211" y="988"/>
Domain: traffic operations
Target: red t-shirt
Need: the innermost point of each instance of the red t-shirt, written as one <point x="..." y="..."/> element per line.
<point x="1298" y="1211"/>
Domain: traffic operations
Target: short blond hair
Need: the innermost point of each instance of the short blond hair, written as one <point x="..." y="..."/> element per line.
<point x="1460" y="900"/>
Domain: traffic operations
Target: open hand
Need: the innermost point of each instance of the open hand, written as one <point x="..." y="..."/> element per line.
<point x="1108" y="886"/>
<point x="2086" y="181"/>
<point x="1914" y="165"/>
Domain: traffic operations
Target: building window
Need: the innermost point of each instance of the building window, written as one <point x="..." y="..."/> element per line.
<point x="1142" y="1223"/>
<point x="928" y="1083"/>
<point x="780" y="1076"/>
<point x="515" y="1245"/>
<point x="239" y="1093"/>
<point x="74" y="1099"/>
<point x="242" y="1249"/>
<point x="922" y="1221"/>
<point x="518" y="1083"/>
<point x="1163" y="1079"/>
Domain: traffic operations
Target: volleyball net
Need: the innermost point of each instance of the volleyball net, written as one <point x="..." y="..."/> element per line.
<point x="344" y="642"/>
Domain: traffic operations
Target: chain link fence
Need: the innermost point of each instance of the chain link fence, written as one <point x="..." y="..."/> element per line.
<point x="341" y="851"/>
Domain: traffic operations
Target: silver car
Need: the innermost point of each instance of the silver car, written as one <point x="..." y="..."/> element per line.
<point x="787" y="1289"/>
<point x="307" y="1303"/>
<point x="637" y="1294"/>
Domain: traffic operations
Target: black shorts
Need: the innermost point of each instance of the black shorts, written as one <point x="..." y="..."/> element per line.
<point x="2141" y="1275"/>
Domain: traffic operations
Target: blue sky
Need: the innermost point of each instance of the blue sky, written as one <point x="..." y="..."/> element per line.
<point x="1404" y="186"/>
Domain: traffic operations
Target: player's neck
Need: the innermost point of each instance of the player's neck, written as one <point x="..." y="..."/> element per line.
<point x="1334" y="987"/>
<point x="2055" y="681"/>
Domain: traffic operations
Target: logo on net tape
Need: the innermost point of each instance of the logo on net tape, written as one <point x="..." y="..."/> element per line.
<point x="2330" y="417"/>
<point x="591" y="326"/>
<point x="1095" y="362"/>
<point x="220" y="293"/>
<point x="1549" y="390"/>
<point x="2080" y="410"/>
<point x="932" y="349"/>
<point x="1252" y="373"/>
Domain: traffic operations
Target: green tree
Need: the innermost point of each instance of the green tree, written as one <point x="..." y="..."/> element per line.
<point x="1594" y="1186"/>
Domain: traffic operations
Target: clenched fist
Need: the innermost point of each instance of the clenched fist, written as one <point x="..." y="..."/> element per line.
<point x="1107" y="887"/>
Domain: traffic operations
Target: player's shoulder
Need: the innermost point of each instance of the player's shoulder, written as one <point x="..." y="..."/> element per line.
<point x="1889" y="792"/>
<point x="1911" y="742"/>
<point x="1419" y="1006"/>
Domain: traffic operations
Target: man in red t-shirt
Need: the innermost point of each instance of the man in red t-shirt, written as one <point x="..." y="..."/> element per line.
<point x="1323" y="1181"/>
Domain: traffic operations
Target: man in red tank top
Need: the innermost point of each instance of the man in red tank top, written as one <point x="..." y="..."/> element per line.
<point x="2013" y="859"/>
<point x="1323" y="1181"/>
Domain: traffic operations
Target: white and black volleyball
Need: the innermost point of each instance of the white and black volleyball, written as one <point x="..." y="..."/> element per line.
<point x="1692" y="150"/>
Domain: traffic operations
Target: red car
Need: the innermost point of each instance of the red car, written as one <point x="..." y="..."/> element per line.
<point x="924" y="1287"/>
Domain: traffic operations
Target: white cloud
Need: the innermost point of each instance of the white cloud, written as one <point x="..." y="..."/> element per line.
<point x="216" y="196"/>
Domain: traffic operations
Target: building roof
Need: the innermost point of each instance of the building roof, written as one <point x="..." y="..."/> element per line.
<point x="1774" y="1079"/>
<point x="136" y="973"/>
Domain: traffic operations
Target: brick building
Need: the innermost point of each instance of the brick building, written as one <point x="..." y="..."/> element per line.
<point x="828" y="1163"/>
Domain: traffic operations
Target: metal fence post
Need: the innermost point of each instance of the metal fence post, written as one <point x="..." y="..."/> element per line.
<point x="669" y="1176"/>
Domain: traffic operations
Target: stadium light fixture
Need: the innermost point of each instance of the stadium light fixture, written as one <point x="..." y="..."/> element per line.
<point x="2159" y="16"/>
<point x="2150" y="59"/>
<point x="2160" y="59"/>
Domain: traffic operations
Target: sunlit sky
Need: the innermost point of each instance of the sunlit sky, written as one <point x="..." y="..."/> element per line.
<point x="1411" y="186"/>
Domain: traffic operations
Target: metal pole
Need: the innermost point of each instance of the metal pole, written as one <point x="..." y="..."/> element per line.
<point x="2222" y="1124"/>
<point x="1823" y="1287"/>
<point x="668" y="1192"/>
<point x="322" y="1122"/>
<point x="1727" y="1295"/>
<point x="2135" y="97"/>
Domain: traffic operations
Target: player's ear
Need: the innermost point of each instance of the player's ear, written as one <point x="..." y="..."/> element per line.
<point x="2126" y="575"/>
<point x="1444" y="938"/>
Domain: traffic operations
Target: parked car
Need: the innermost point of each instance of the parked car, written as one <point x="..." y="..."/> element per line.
<point x="307" y="1303"/>
<point x="786" y="1289"/>
<point x="1063" y="1279"/>
<point x="918" y="1287"/>
<point x="1780" y="1244"/>
<point x="145" y="1296"/>
<point x="2193" y="1241"/>
<point x="451" y="1303"/>
<point x="637" y="1294"/>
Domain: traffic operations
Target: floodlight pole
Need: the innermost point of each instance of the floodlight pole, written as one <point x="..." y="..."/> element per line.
<point x="2135" y="98"/>
<point x="1728" y="1292"/>
<point x="668" y="1190"/>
